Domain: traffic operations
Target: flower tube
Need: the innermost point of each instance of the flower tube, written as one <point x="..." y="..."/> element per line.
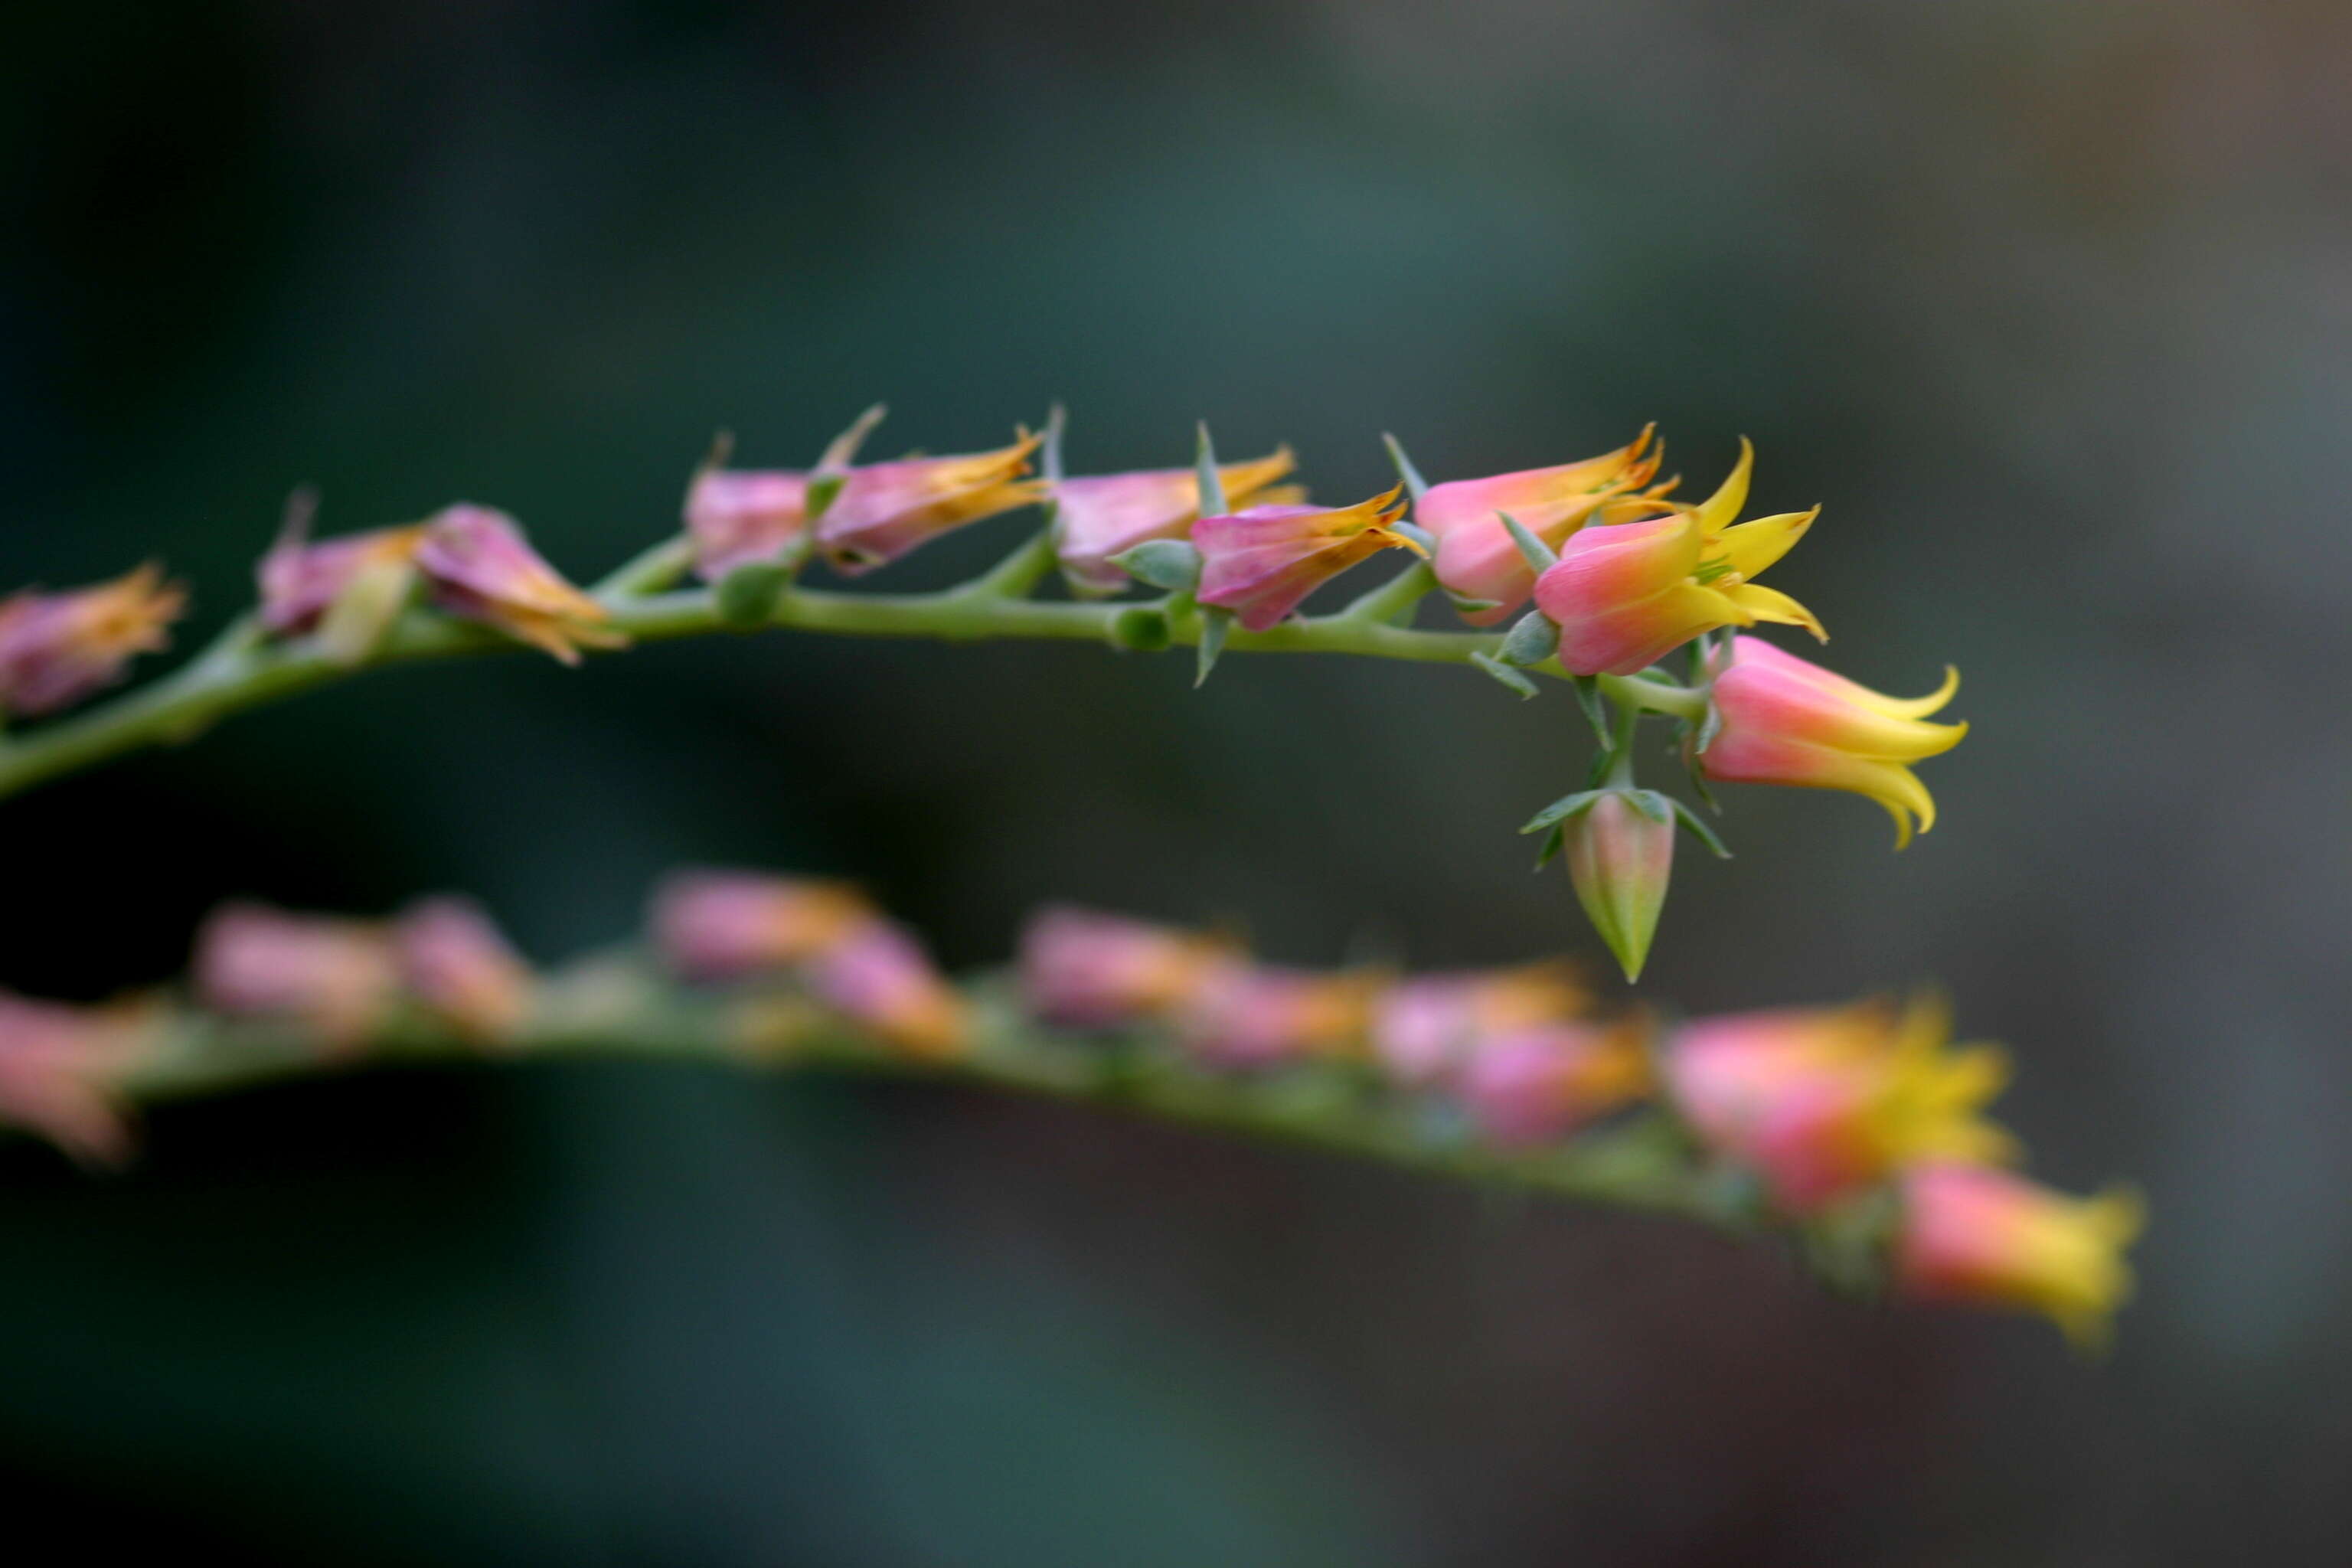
<point x="878" y="977"/>
<point x="59" y="1066"/>
<point x="1986" y="1238"/>
<point x="1423" y="1028"/>
<point x="1099" y="516"/>
<point x="1081" y="969"/>
<point x="738" y="517"/>
<point x="1261" y="562"/>
<point x="712" y="926"/>
<point x="58" y="648"/>
<point x="885" y="510"/>
<point x="1538" y="1084"/>
<point x="336" y="978"/>
<point x="459" y="966"/>
<point x="1260" y="1015"/>
<point x="482" y="569"/>
<point x="1477" y="559"/>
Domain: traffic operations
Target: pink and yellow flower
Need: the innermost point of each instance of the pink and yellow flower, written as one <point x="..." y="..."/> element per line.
<point x="58" y="648"/>
<point x="885" y="510"/>
<point x="1103" y="515"/>
<point x="737" y="517"/>
<point x="334" y="978"/>
<point x="60" y="1068"/>
<point x="457" y="966"/>
<point x="1821" y="1103"/>
<point x="1788" y="722"/>
<point x="713" y="926"/>
<point x="1476" y="557"/>
<point x="1261" y="562"/>
<point x="878" y="977"/>
<point x="482" y="569"/>
<point x="1086" y="970"/>
<point x="1259" y="1015"/>
<point x="1537" y="1084"/>
<point x="1423" y="1028"/>
<point x="1987" y="1237"/>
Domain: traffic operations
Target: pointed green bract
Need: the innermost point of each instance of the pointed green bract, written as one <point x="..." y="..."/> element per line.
<point x="1212" y="483"/>
<point x="1415" y="484"/>
<point x="1503" y="673"/>
<point x="1531" y="640"/>
<point x="1540" y="556"/>
<point x="1214" y="625"/>
<point x="1173" y="564"/>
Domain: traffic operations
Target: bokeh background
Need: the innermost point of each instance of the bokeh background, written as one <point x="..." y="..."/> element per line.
<point x="2051" y="304"/>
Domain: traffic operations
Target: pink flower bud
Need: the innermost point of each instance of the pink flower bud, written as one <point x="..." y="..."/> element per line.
<point x="732" y="925"/>
<point x="1254" y="1016"/>
<point x="1089" y="970"/>
<point x="336" y="978"/>
<point x="302" y="581"/>
<point x="1476" y="557"/>
<point x="457" y="966"/>
<point x="885" y="510"/>
<point x="1787" y="722"/>
<point x="58" y="648"/>
<point x="737" y="517"/>
<point x="1618" y="858"/>
<point x="1537" y="1084"/>
<point x="59" y="1069"/>
<point x="1103" y="515"/>
<point x="1423" y="1028"/>
<point x="1986" y="1238"/>
<point x="482" y="568"/>
<point x="878" y="976"/>
<point x="1262" y="562"/>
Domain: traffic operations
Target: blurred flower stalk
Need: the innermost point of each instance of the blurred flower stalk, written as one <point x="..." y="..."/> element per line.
<point x="1857" y="1132"/>
<point x="1607" y="573"/>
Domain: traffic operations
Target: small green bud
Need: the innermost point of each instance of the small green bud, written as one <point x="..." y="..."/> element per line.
<point x="747" y="596"/>
<point x="1141" y="628"/>
<point x="1620" y="852"/>
<point x="1532" y="639"/>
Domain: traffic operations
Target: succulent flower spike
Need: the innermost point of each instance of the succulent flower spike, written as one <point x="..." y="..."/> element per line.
<point x="58" y="648"/>
<point x="877" y="975"/>
<point x="481" y="568"/>
<point x="459" y="966"/>
<point x="1423" y="1028"/>
<point x="1987" y="1237"/>
<point x="334" y="978"/>
<point x="1257" y="1015"/>
<point x="1619" y="854"/>
<point x="58" y="1070"/>
<point x="347" y="589"/>
<point x="1476" y="558"/>
<point x="1100" y="516"/>
<point x="1260" y="562"/>
<point x="1537" y="1084"/>
<point x="885" y="510"/>
<point x="1085" y="970"/>
<point x="1788" y="722"/>
<point x="713" y="926"/>
<point x="739" y="517"/>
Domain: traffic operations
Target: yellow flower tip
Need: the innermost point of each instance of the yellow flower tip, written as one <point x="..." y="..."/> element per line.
<point x="1719" y="511"/>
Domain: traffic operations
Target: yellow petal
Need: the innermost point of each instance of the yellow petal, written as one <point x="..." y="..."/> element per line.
<point x="1762" y="604"/>
<point x="1758" y="543"/>
<point x="1719" y="511"/>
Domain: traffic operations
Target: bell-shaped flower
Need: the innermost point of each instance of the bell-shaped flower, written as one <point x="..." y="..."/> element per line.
<point x="60" y="1071"/>
<point x="714" y="926"/>
<point x="1789" y="722"/>
<point x="1540" y="1083"/>
<point x="1260" y="1015"/>
<point x="336" y="979"/>
<point x="1261" y="562"/>
<point x="1424" y="1028"/>
<point x="1102" y="515"/>
<point x="738" y="517"/>
<point x="877" y="976"/>
<point x="1620" y="857"/>
<point x="1084" y="969"/>
<point x="1476" y="557"/>
<point x="457" y="966"/>
<point x="1987" y="1237"/>
<point x="58" y="648"/>
<point x="885" y="510"/>
<point x="481" y="568"/>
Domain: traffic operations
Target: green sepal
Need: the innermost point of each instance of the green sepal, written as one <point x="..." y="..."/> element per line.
<point x="1563" y="808"/>
<point x="1212" y="483"/>
<point x="1415" y="532"/>
<point x="1696" y="826"/>
<point x="363" y="615"/>
<point x="1173" y="564"/>
<point x="1141" y="628"/>
<point x="1710" y="725"/>
<point x="1415" y="484"/>
<point x="1050" y="457"/>
<point x="1847" y="1245"/>
<point x="1468" y="605"/>
<point x="1553" y="842"/>
<point x="1659" y="808"/>
<point x="1539" y="555"/>
<point x="1214" y="625"/>
<point x="1698" y="781"/>
<point x="1503" y="673"/>
<point x="747" y="596"/>
<point x="820" y="494"/>
<point x="1532" y="639"/>
<point x="1596" y="711"/>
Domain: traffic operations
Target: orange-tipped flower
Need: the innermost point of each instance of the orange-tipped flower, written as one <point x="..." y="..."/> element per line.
<point x="1534" y="1085"/>
<point x="335" y="978"/>
<point x="59" y="1066"/>
<point x="1423" y="1028"/>
<point x="1822" y="1102"/>
<point x="459" y="966"/>
<point x="1257" y="1015"/>
<point x="482" y="568"/>
<point x="734" y="925"/>
<point x="1260" y="562"/>
<point x="1991" y="1238"/>
<point x="1090" y="971"/>
<point x="1476" y="557"/>
<point x="878" y="976"/>
<point x="737" y="517"/>
<point x="1788" y="722"/>
<point x="1100" y="516"/>
<point x="58" y="648"/>
<point x="885" y="510"/>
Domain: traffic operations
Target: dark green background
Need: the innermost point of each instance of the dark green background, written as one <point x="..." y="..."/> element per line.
<point x="2048" y="302"/>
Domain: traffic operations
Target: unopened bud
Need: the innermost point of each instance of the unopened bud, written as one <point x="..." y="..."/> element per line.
<point x="1621" y="851"/>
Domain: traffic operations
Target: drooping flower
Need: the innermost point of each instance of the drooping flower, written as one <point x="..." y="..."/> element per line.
<point x="58" y="648"/>
<point x="334" y="978"/>
<point x="885" y="510"/>
<point x="482" y="568"/>
<point x="1619" y="859"/>
<point x="60" y="1066"/>
<point x="1536" y="1084"/>
<point x="1820" y="1103"/>
<point x="457" y="966"/>
<point x="714" y="926"/>
<point x="1259" y="1015"/>
<point x="1477" y="559"/>
<point x="349" y="588"/>
<point x="1086" y="970"/>
<point x="878" y="976"/>
<point x="1261" y="562"/>
<point x="1423" y="1028"/>
<point x="1988" y="1238"/>
<point x="738" y="516"/>
<point x="1788" y="722"/>
<point x="1099" y="516"/>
